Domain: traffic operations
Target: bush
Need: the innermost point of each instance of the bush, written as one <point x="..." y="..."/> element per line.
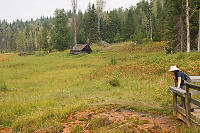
<point x="168" y="50"/>
<point x="145" y="40"/>
<point x="181" y="56"/>
<point x="113" y="61"/>
<point x="23" y="54"/>
<point x="139" y="38"/>
<point x="114" y="82"/>
<point x="3" y="86"/>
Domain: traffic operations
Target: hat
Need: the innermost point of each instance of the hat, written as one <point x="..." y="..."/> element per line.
<point x="173" y="68"/>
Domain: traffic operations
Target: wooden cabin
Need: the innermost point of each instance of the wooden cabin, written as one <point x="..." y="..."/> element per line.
<point x="81" y="48"/>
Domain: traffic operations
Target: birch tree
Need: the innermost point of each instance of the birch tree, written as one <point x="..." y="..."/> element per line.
<point x="74" y="6"/>
<point x="199" y="32"/>
<point x="100" y="4"/>
<point x="188" y="26"/>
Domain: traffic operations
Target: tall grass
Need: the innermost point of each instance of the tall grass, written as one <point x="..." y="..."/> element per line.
<point x="3" y="85"/>
<point x="43" y="89"/>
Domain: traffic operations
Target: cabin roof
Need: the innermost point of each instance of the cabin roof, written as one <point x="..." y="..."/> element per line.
<point x="79" y="46"/>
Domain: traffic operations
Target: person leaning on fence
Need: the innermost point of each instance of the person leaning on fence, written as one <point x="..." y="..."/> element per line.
<point x="179" y="78"/>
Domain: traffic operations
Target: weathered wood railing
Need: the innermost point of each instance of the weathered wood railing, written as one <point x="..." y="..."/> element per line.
<point x="185" y="114"/>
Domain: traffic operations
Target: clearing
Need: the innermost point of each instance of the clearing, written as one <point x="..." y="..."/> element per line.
<point x="42" y="91"/>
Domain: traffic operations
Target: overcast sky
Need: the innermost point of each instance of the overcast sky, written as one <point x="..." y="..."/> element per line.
<point x="26" y="9"/>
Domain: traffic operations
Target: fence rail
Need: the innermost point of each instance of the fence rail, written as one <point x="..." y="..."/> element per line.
<point x="186" y="114"/>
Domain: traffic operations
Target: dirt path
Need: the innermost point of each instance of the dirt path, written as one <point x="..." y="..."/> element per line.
<point x="117" y="120"/>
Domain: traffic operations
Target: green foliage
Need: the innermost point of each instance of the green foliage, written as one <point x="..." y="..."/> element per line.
<point x="81" y="37"/>
<point x="3" y="85"/>
<point x="181" y="56"/>
<point x="131" y="26"/>
<point x="60" y="37"/>
<point x="138" y="38"/>
<point x="112" y="27"/>
<point x="113" y="61"/>
<point x="43" y="39"/>
<point x="114" y="82"/>
<point x="168" y="50"/>
<point x="167" y="18"/>
<point x="21" y="42"/>
<point x="89" y="26"/>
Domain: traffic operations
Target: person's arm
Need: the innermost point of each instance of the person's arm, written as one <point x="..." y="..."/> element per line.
<point x="179" y="83"/>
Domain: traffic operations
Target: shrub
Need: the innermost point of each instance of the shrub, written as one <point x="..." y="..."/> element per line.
<point x="168" y="50"/>
<point x="23" y="54"/>
<point x="145" y="40"/>
<point x="113" y="61"/>
<point x="137" y="37"/>
<point x="194" y="56"/>
<point x="181" y="56"/>
<point x="114" y="82"/>
<point x="3" y="85"/>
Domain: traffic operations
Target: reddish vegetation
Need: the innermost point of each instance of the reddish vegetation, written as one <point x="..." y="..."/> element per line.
<point x="3" y="58"/>
<point x="7" y="130"/>
<point x="117" y="120"/>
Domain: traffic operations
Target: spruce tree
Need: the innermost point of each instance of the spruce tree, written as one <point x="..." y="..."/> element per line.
<point x="43" y="40"/>
<point x="61" y="33"/>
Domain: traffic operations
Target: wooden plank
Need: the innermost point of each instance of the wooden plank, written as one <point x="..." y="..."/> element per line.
<point x="180" y="92"/>
<point x="181" y="114"/>
<point x="182" y="117"/>
<point x="195" y="92"/>
<point x="180" y="110"/>
<point x="195" y="78"/>
<point x="193" y="86"/>
<point x="195" y="102"/>
<point x="187" y="104"/>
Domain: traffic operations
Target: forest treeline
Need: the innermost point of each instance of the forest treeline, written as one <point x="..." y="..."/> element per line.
<point x="155" y="20"/>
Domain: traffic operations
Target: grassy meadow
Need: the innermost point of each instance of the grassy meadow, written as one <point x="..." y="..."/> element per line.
<point x="37" y="92"/>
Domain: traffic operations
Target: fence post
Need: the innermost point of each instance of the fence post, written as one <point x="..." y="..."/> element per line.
<point x="174" y="103"/>
<point x="187" y="103"/>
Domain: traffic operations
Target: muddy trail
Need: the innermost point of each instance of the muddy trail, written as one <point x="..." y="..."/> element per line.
<point x="117" y="120"/>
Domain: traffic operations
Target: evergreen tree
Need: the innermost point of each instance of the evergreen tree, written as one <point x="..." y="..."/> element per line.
<point x="90" y="25"/>
<point x="21" y="41"/>
<point x="61" y="33"/>
<point x="93" y="25"/>
<point x="131" y="24"/>
<point x="43" y="40"/>
<point x="157" y="19"/>
<point x="113" y="27"/>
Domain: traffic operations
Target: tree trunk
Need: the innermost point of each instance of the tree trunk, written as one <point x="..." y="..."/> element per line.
<point x="99" y="31"/>
<point x="162" y="3"/>
<point x="36" y="44"/>
<point x="188" y="26"/>
<point x="74" y="5"/>
<point x="181" y="32"/>
<point x="199" y="34"/>
<point x="151" y="28"/>
<point x="75" y="29"/>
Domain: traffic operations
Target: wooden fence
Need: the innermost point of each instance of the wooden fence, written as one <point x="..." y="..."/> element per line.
<point x="186" y="114"/>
